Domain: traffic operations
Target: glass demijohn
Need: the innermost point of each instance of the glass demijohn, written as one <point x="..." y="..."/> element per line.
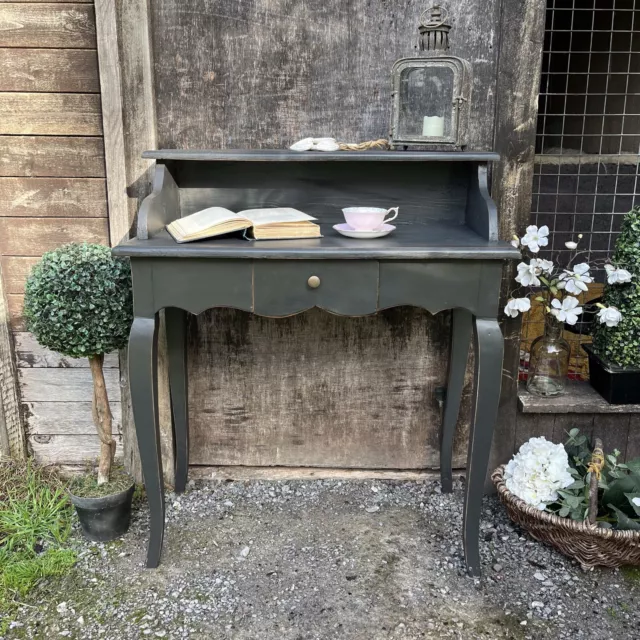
<point x="549" y="361"/>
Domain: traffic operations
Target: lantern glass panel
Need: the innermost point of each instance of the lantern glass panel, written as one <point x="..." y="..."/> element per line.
<point x="426" y="99"/>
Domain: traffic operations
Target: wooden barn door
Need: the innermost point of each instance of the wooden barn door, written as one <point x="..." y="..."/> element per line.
<point x="314" y="390"/>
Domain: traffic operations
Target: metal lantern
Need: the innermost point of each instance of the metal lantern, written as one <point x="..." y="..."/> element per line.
<point x="431" y="93"/>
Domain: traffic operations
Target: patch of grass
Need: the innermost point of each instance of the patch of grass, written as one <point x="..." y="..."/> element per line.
<point x="86" y="485"/>
<point x="35" y="522"/>
<point x="632" y="574"/>
<point x="24" y="571"/>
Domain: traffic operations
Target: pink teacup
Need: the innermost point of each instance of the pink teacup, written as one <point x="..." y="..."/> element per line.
<point x="368" y="218"/>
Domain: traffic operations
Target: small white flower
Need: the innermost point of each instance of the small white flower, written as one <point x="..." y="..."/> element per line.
<point x="528" y="274"/>
<point x="609" y="316"/>
<point x="636" y="501"/>
<point x="576" y="281"/>
<point x="517" y="305"/>
<point x="617" y="276"/>
<point x="538" y="471"/>
<point x="571" y="245"/>
<point x="545" y="265"/>
<point x="515" y="242"/>
<point x="567" y="310"/>
<point x="535" y="238"/>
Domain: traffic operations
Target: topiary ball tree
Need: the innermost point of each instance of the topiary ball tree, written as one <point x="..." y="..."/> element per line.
<point x="78" y="302"/>
<point x="621" y="344"/>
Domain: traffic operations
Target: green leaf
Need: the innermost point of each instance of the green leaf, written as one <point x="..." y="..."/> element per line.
<point x="623" y="521"/>
<point x="631" y="497"/>
<point x="634" y="465"/>
<point x="564" y="512"/>
<point x="615" y="494"/>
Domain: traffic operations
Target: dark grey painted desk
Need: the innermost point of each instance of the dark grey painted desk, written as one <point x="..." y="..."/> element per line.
<point x="443" y="255"/>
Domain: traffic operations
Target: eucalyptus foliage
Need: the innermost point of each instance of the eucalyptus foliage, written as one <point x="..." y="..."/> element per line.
<point x="78" y="300"/>
<point x="618" y="487"/>
<point x="621" y="344"/>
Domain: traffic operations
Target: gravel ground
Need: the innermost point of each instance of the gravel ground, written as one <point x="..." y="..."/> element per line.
<point x="323" y="560"/>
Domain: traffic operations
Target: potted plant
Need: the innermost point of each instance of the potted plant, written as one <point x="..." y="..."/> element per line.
<point x="614" y="357"/>
<point x="78" y="302"/>
<point x="558" y="290"/>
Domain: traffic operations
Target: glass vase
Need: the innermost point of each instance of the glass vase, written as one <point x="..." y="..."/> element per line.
<point x="549" y="361"/>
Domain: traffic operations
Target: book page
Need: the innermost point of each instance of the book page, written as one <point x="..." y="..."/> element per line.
<point x="260" y="217"/>
<point x="202" y="220"/>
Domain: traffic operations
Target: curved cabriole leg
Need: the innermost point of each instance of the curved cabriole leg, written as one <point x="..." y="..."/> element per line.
<point x="143" y="377"/>
<point x="489" y="346"/>
<point x="176" y="322"/>
<point x="461" y="339"/>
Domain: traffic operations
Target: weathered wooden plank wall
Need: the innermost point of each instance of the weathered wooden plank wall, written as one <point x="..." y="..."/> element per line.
<point x="263" y="73"/>
<point x="52" y="191"/>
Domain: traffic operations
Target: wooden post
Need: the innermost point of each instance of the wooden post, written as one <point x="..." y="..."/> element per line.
<point x="519" y="66"/>
<point x="129" y="69"/>
<point x="12" y="436"/>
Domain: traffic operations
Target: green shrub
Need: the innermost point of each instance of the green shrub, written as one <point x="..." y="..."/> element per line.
<point x="78" y="300"/>
<point x="621" y="344"/>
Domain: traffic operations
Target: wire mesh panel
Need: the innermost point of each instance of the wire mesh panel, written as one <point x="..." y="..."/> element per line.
<point x="588" y="137"/>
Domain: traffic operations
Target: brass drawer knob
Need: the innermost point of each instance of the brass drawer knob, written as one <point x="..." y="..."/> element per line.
<point x="313" y="282"/>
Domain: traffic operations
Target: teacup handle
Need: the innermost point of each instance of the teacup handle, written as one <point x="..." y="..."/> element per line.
<point x="393" y="217"/>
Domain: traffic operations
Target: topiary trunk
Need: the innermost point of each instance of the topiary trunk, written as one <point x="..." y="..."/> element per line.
<point x="102" y="418"/>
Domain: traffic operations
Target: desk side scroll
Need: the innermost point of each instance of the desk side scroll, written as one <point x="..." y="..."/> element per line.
<point x="481" y="214"/>
<point x="161" y="206"/>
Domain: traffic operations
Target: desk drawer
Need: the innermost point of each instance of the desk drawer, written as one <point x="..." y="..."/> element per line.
<point x="345" y="287"/>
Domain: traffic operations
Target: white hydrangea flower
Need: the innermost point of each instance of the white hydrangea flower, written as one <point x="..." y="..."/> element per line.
<point x="515" y="241"/>
<point x="609" y="316"/>
<point x="636" y="501"/>
<point x="535" y="238"/>
<point x="538" y="471"/>
<point x="516" y="306"/>
<point x="567" y="310"/>
<point x="528" y="274"/>
<point x="575" y="281"/>
<point x="571" y="245"/>
<point x="617" y="276"/>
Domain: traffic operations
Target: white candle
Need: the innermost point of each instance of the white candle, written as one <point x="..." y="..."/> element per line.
<point x="433" y="126"/>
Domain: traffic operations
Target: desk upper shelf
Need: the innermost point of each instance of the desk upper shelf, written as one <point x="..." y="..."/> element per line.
<point x="285" y="155"/>
<point x="445" y="207"/>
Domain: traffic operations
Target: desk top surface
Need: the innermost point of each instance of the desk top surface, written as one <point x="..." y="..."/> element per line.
<point x="286" y="155"/>
<point x="430" y="241"/>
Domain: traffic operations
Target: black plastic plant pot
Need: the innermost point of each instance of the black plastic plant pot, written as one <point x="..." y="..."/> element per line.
<point x="617" y="385"/>
<point x="105" y="518"/>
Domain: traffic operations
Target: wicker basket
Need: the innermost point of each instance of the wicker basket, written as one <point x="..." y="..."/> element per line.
<point x="585" y="542"/>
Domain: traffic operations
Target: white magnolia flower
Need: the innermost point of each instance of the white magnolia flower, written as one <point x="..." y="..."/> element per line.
<point x="535" y="238"/>
<point x="615" y="275"/>
<point x="537" y="472"/>
<point x="609" y="316"/>
<point x="576" y="281"/>
<point x="517" y="305"/>
<point x="528" y="274"/>
<point x="571" y="245"/>
<point x="567" y="310"/>
<point x="545" y="265"/>
<point x="315" y="144"/>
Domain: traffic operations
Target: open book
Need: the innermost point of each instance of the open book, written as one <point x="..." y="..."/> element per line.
<point x="262" y="224"/>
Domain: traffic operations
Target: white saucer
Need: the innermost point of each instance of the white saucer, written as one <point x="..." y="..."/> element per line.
<point x="350" y="232"/>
